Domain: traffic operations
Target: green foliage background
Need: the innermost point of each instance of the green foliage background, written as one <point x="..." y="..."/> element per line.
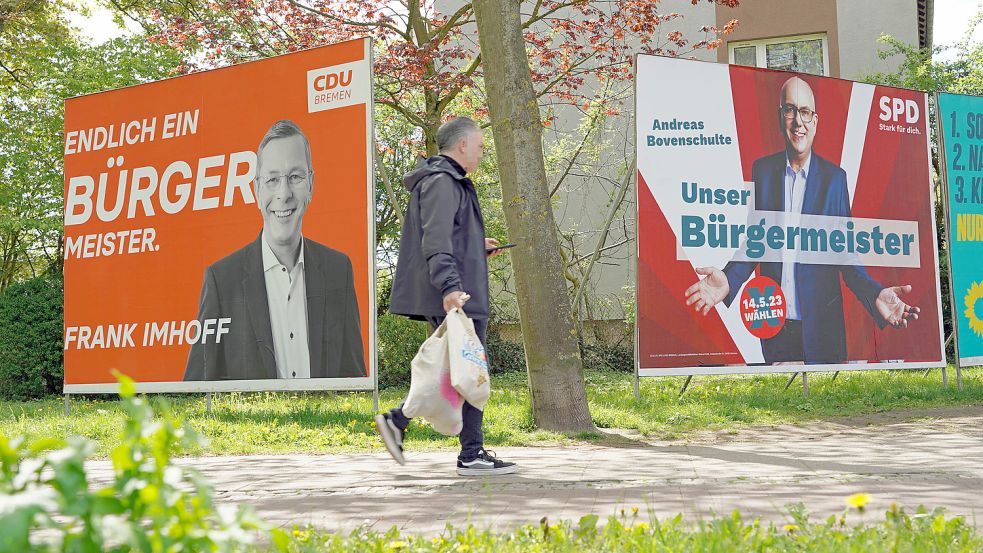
<point x="31" y="339"/>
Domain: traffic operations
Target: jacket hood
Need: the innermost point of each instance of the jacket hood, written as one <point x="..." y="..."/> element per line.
<point x="429" y="166"/>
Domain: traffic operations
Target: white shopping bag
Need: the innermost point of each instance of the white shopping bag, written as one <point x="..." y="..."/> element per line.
<point x="432" y="395"/>
<point x="468" y="362"/>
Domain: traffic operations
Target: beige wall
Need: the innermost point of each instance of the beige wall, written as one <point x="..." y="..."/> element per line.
<point x="862" y="23"/>
<point x="759" y="19"/>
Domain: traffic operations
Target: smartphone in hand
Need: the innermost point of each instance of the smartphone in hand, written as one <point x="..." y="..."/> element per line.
<point x="499" y="247"/>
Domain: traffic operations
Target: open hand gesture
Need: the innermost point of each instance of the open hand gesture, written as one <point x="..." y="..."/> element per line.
<point x="893" y="309"/>
<point x="708" y="292"/>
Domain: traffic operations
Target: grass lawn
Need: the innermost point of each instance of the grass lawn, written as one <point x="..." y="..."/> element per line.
<point x="921" y="531"/>
<point x="266" y="423"/>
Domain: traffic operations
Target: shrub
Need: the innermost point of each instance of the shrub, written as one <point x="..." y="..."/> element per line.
<point x="604" y="357"/>
<point x="504" y="356"/>
<point x="31" y="315"/>
<point x="151" y="505"/>
<point x="398" y="341"/>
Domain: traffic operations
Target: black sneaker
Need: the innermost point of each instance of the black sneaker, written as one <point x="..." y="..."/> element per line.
<point x="392" y="436"/>
<point x="485" y="463"/>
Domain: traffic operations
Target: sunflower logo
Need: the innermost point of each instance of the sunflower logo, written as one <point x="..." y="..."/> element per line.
<point x="974" y="293"/>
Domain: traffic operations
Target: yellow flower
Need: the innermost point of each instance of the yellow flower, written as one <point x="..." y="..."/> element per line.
<point x="973" y="294"/>
<point x="352" y="422"/>
<point x="397" y="544"/>
<point x="462" y="547"/>
<point x="791" y="528"/>
<point x="347" y="405"/>
<point x="643" y="526"/>
<point x="858" y="500"/>
<point x="634" y="511"/>
<point x="296" y="533"/>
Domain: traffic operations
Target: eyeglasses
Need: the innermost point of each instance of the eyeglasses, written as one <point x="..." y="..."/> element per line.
<point x="295" y="180"/>
<point x="789" y="111"/>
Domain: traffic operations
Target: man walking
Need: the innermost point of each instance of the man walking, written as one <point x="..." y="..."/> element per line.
<point x="442" y="265"/>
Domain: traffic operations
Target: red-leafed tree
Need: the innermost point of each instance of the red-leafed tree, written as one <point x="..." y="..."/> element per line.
<point x="426" y="60"/>
<point x="427" y="64"/>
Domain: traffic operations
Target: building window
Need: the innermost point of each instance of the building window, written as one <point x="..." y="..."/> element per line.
<point x="804" y="54"/>
<point x="746" y="55"/>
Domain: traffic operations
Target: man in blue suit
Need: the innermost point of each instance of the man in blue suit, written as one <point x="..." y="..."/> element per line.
<point x="797" y="181"/>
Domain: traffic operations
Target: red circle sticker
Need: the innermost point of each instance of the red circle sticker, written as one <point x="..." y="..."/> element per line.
<point x="763" y="307"/>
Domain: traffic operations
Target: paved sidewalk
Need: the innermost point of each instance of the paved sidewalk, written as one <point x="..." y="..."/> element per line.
<point x="936" y="462"/>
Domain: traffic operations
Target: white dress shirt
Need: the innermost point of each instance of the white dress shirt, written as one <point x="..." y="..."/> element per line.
<point x="286" y="294"/>
<point x="795" y="192"/>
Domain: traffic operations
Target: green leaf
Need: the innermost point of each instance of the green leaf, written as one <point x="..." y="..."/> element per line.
<point x="588" y="523"/>
<point x="127" y="388"/>
<point x="280" y="539"/>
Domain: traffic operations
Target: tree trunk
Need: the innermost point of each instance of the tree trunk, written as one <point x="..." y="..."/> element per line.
<point x="556" y="380"/>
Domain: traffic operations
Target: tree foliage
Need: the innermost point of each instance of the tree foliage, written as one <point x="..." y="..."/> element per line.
<point x="425" y="60"/>
<point x="31" y="134"/>
<point x="957" y="69"/>
<point x="30" y="339"/>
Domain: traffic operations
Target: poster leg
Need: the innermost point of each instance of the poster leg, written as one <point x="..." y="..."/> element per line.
<point x="208" y="403"/>
<point x="837" y="373"/>
<point x="945" y="378"/>
<point x="637" y="388"/>
<point x="959" y="377"/>
<point x="805" y="386"/>
<point x="375" y="400"/>
<point x="685" y="385"/>
<point x="791" y="380"/>
<point x="67" y="404"/>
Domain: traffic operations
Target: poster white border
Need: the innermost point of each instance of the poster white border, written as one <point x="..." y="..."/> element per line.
<point x="643" y="371"/>
<point x="366" y="383"/>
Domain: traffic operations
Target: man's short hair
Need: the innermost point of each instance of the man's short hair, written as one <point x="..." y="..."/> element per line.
<point x="284" y="128"/>
<point x="453" y="131"/>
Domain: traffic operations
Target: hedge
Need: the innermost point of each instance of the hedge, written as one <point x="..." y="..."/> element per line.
<point x="31" y="315"/>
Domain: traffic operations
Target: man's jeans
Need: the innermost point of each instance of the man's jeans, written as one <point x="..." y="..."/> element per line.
<point x="472" y="439"/>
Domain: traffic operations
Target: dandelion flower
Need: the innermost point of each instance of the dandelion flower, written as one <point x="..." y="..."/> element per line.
<point x="858" y="501"/>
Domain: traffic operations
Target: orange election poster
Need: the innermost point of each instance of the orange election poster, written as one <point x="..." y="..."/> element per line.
<point x="219" y="228"/>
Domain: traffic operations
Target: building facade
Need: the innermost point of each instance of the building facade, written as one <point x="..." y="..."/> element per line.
<point x="835" y="38"/>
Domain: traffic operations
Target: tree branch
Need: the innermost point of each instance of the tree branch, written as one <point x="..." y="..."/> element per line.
<point x="535" y="18"/>
<point x="381" y="168"/>
<point x="604" y="249"/>
<point x="409" y="115"/>
<point x="451" y="23"/>
<point x="604" y="236"/>
<point x="12" y="73"/>
<point x="366" y="24"/>
<point x="449" y="97"/>
<point x="576" y="154"/>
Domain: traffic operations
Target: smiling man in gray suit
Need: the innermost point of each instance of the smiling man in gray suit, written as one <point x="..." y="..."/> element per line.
<point x="291" y="301"/>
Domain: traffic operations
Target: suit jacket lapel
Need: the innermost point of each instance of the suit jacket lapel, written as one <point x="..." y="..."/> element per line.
<point x="315" y="283"/>
<point x="812" y="202"/>
<point x="775" y="199"/>
<point x="254" y="285"/>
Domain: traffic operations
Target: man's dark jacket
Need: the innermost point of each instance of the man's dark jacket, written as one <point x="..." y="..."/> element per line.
<point x="442" y="248"/>
<point x="235" y="287"/>
<point x="817" y="286"/>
